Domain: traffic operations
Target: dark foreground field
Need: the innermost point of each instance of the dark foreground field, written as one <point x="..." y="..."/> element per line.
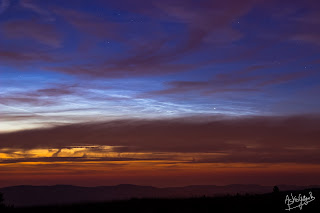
<point x="271" y="202"/>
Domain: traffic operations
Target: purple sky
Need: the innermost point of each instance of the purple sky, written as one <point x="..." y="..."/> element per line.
<point x="79" y="61"/>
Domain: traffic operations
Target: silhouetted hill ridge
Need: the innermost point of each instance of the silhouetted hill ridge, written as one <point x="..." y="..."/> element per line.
<point x="26" y="195"/>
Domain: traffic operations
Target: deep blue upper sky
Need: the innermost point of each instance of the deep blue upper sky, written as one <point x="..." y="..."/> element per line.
<point x="78" y="61"/>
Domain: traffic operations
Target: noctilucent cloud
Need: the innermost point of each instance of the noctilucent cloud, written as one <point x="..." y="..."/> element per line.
<point x="71" y="61"/>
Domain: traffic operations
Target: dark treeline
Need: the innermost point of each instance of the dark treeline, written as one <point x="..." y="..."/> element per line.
<point x="271" y="202"/>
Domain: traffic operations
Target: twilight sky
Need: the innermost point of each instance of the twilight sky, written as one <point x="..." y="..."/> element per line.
<point x="170" y="92"/>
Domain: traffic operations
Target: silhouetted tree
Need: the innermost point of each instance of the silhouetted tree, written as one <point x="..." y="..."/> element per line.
<point x="277" y="202"/>
<point x="1" y="200"/>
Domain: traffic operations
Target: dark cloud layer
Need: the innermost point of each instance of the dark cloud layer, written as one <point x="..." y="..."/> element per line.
<point x="251" y="139"/>
<point x="69" y="159"/>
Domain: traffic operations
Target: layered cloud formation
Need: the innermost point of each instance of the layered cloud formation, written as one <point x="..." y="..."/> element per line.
<point x="247" y="140"/>
<point x="278" y="146"/>
<point x="171" y="87"/>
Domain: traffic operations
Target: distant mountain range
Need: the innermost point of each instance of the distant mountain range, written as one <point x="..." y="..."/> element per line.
<point x="67" y="194"/>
